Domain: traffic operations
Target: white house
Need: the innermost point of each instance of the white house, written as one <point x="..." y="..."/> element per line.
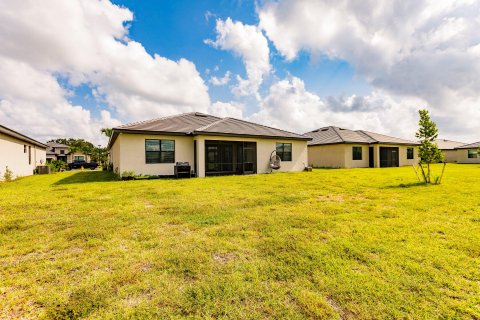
<point x="211" y="145"/>
<point x="19" y="153"/>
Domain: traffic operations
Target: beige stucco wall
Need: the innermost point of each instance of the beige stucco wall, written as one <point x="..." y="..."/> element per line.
<point x="341" y="155"/>
<point x="327" y="156"/>
<point x="462" y="157"/>
<point x="349" y="162"/>
<point x="450" y="155"/>
<point x="264" y="150"/>
<point x="128" y="153"/>
<point x="13" y="156"/>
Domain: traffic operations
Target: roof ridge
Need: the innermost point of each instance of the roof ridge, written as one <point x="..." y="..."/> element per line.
<point x="210" y="124"/>
<point x="385" y="135"/>
<point x="259" y="124"/>
<point x="152" y="120"/>
<point x="365" y="133"/>
<point x="163" y="118"/>
<point x="338" y="134"/>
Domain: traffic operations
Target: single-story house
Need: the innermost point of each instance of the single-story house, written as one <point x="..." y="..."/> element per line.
<point x="59" y="151"/>
<point x="334" y="147"/>
<point x="19" y="153"/>
<point x="448" y="149"/>
<point x="468" y="153"/>
<point x="211" y="145"/>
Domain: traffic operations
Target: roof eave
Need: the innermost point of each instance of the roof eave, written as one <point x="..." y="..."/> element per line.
<point x="225" y="134"/>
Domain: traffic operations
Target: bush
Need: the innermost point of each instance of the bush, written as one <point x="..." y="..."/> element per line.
<point x="58" y="165"/>
<point x="8" y="175"/>
<point x="127" y="175"/>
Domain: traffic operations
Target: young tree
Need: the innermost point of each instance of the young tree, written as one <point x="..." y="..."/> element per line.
<point x="428" y="150"/>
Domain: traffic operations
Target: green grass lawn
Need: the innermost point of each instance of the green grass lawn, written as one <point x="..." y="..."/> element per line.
<point x="330" y="244"/>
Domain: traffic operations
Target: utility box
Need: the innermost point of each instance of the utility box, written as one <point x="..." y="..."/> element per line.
<point x="43" y="169"/>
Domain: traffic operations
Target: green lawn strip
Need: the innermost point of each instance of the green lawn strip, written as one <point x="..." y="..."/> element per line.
<point x="347" y="243"/>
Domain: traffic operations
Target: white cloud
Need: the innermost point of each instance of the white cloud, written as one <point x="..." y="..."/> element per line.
<point x="227" y="109"/>
<point x="216" y="81"/>
<point x="250" y="44"/>
<point x="85" y="42"/>
<point x="290" y="106"/>
<point x="404" y="48"/>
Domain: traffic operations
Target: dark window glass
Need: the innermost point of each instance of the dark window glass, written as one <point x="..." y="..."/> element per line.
<point x="409" y="153"/>
<point x="159" y="151"/>
<point x="472" y="153"/>
<point x="29" y="155"/>
<point x="24" y="149"/>
<point x="284" y="151"/>
<point x="62" y="151"/>
<point x="357" y="153"/>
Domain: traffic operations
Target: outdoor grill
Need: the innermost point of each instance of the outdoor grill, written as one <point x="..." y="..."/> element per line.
<point x="182" y="170"/>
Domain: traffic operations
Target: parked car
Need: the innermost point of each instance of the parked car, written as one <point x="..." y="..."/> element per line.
<point x="77" y="164"/>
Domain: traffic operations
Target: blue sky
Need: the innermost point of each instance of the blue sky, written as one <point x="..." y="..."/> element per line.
<point x="178" y="29"/>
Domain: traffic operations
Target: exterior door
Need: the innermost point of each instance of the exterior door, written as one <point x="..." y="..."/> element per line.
<point x="371" y="160"/>
<point x="389" y="157"/>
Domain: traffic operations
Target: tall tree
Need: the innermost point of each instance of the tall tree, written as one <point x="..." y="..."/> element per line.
<point x="428" y="149"/>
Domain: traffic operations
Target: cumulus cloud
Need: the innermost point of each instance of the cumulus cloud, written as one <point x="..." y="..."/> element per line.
<point x="227" y="109"/>
<point x="250" y="44"/>
<point x="290" y="106"/>
<point x="429" y="50"/>
<point x="85" y="42"/>
<point x="216" y="81"/>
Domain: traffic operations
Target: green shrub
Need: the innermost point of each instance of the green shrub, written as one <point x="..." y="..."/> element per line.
<point x="58" y="165"/>
<point x="8" y="175"/>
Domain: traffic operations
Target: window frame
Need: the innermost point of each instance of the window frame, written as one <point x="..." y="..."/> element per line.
<point x="354" y="154"/>
<point x="76" y="158"/>
<point x="282" y="153"/>
<point x="159" y="152"/>
<point x="472" y="153"/>
<point x="412" y="150"/>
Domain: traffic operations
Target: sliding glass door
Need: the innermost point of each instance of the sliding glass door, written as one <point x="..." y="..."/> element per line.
<point x="230" y="157"/>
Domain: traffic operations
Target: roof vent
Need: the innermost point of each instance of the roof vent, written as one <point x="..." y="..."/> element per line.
<point x="341" y="129"/>
<point x="325" y="129"/>
<point x="198" y="114"/>
<point x="315" y="130"/>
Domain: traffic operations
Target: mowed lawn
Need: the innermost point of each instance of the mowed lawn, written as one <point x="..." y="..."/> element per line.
<point x="330" y="244"/>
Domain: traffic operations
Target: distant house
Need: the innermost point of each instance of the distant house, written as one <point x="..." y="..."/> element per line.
<point x="468" y="153"/>
<point x="211" y="145"/>
<point x="59" y="151"/>
<point x="448" y="148"/>
<point x="19" y="153"/>
<point x="335" y="147"/>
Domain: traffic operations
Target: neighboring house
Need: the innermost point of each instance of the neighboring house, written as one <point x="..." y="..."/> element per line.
<point x="59" y="151"/>
<point x="448" y="149"/>
<point x="468" y="153"/>
<point x="334" y="147"/>
<point x="19" y="153"/>
<point x="211" y="145"/>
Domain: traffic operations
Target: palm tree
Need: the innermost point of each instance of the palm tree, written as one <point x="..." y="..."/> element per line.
<point x="107" y="132"/>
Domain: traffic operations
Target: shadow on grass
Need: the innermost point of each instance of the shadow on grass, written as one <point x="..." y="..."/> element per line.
<point x="86" y="177"/>
<point x="406" y="185"/>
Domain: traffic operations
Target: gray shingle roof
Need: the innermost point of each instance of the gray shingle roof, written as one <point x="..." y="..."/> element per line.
<point x="56" y="145"/>
<point x="335" y="135"/>
<point x="196" y="123"/>
<point x="444" y="144"/>
<point x="474" y="145"/>
<point x="232" y="126"/>
<point x="19" y="136"/>
<point x="182" y="123"/>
